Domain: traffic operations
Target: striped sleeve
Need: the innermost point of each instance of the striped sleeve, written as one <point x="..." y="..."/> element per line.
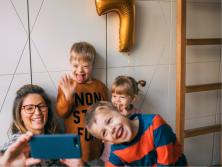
<point x="109" y="164"/>
<point x="114" y="161"/>
<point x="167" y="148"/>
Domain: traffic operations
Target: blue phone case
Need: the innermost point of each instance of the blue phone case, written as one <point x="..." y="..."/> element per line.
<point x="55" y="146"/>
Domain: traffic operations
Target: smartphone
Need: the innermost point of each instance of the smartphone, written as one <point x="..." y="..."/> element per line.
<point x="55" y="146"/>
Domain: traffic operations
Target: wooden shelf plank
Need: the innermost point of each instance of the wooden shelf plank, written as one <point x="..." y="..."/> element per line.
<point x="202" y="130"/>
<point x="207" y="41"/>
<point x="180" y="68"/>
<point x="203" y="87"/>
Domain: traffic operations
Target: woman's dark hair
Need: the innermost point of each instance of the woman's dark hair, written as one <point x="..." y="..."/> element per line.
<point x="17" y="124"/>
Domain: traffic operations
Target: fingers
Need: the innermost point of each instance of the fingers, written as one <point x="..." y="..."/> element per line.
<point x="24" y="138"/>
<point x="66" y="83"/>
<point x="20" y="143"/>
<point x="72" y="162"/>
<point x="120" y="107"/>
<point x="32" y="161"/>
<point x="68" y="86"/>
<point x="18" y="148"/>
<point x="65" y="80"/>
<point x="64" y="161"/>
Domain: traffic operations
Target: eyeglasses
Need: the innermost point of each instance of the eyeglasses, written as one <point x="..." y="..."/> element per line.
<point x="30" y="108"/>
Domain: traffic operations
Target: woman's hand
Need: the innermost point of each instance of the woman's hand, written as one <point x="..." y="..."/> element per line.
<point x="17" y="153"/>
<point x="72" y="162"/>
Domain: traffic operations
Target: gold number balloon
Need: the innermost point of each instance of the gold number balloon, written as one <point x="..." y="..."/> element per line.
<point x="126" y="11"/>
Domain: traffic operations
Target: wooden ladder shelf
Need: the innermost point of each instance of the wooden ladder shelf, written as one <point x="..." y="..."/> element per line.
<point x="202" y="130"/>
<point x="203" y="87"/>
<point x="208" y="41"/>
<point x="181" y="88"/>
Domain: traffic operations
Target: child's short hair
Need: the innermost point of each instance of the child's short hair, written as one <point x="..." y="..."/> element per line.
<point x="95" y="109"/>
<point x="84" y="51"/>
<point x="126" y="85"/>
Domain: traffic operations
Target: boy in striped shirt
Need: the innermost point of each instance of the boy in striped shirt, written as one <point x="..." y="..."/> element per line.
<point x="143" y="140"/>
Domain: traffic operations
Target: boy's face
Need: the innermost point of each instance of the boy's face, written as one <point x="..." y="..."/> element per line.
<point x="111" y="127"/>
<point x="82" y="70"/>
<point x="122" y="102"/>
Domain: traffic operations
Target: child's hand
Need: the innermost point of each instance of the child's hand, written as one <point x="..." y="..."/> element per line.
<point x="72" y="162"/>
<point x="68" y="86"/>
<point x="122" y="109"/>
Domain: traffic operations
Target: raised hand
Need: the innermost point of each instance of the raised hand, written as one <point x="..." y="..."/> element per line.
<point x="68" y="86"/>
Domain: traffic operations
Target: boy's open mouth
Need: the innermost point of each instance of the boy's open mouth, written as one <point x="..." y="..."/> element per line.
<point x="119" y="132"/>
<point x="80" y="77"/>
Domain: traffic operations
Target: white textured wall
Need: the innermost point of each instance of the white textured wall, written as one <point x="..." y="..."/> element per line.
<point x="57" y="24"/>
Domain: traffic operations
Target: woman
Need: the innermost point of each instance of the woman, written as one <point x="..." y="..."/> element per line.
<point x="32" y="112"/>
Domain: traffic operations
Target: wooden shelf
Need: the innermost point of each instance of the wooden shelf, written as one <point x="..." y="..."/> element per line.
<point x="180" y="68"/>
<point x="182" y="42"/>
<point x="207" y="41"/>
<point x="203" y="87"/>
<point x="202" y="130"/>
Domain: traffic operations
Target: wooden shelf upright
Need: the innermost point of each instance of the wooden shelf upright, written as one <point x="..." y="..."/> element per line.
<point x="181" y="87"/>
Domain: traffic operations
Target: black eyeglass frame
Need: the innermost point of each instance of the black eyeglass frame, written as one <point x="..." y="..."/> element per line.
<point x="41" y="107"/>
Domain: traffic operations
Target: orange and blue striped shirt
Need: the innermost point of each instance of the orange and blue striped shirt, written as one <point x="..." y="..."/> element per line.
<point x="154" y="145"/>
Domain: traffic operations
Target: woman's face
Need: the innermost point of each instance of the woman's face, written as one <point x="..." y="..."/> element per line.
<point x="34" y="113"/>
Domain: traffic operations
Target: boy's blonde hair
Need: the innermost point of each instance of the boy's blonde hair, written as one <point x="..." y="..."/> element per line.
<point x="83" y="51"/>
<point x="126" y="85"/>
<point x="93" y="110"/>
